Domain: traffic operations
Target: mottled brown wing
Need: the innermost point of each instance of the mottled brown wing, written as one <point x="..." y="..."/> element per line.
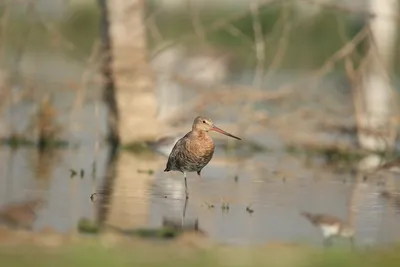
<point x="181" y="159"/>
<point x="173" y="159"/>
<point x="203" y="161"/>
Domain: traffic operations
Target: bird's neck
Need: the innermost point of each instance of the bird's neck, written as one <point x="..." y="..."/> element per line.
<point x="199" y="134"/>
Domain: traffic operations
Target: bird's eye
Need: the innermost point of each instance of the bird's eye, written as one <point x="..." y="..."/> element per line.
<point x="204" y="121"/>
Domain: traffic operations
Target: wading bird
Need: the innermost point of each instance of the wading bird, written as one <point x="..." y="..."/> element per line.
<point x="194" y="151"/>
<point x="330" y="227"/>
<point x="391" y="166"/>
<point x="21" y="214"/>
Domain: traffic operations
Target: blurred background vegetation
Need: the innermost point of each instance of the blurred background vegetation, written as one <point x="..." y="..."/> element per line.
<point x="289" y="77"/>
<point x="328" y="30"/>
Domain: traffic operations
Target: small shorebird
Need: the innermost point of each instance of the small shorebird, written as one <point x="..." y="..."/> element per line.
<point x="391" y="166"/>
<point x="20" y="215"/>
<point x="194" y="151"/>
<point x="330" y="227"/>
<point x="164" y="145"/>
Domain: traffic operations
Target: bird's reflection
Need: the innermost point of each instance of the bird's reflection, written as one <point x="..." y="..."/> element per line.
<point x="182" y="224"/>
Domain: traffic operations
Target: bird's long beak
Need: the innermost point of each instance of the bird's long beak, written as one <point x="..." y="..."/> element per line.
<point x="215" y="128"/>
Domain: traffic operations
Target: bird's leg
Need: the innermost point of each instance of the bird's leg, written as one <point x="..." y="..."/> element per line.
<point x="184" y="208"/>
<point x="327" y="242"/>
<point x="186" y="188"/>
<point x="184" y="211"/>
<point x="352" y="243"/>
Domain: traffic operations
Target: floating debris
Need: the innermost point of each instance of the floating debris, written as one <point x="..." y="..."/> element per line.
<point x="73" y="173"/>
<point x="93" y="197"/>
<point x="249" y="209"/>
<point x="82" y="173"/>
<point x="210" y="206"/>
<point x="236" y="178"/>
<point x="225" y="206"/>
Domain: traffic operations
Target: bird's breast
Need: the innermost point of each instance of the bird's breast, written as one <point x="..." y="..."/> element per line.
<point x="201" y="147"/>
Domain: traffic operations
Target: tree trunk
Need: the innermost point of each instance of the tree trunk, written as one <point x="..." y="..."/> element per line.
<point x="129" y="93"/>
<point x="377" y="95"/>
<point x="131" y="99"/>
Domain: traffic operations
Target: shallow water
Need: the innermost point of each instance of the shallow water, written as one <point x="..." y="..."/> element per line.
<point x="276" y="203"/>
<point x="143" y="200"/>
